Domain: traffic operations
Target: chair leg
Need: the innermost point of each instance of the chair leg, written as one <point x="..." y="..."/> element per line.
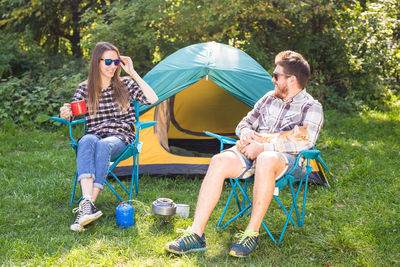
<point x="268" y="232"/>
<point x="226" y="207"/>
<point x="284" y="210"/>
<point x="113" y="190"/>
<point x="294" y="197"/>
<point x="242" y="209"/>
<point x="134" y="176"/>
<point x="239" y="205"/>
<point x="73" y="189"/>
<point x="137" y="175"/>
<point x="304" y="199"/>
<point x="300" y="220"/>
<point x="119" y="181"/>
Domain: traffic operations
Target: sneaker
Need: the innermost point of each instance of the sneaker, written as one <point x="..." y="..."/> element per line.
<point x="188" y="242"/>
<point x="87" y="213"/>
<point x="246" y="243"/>
<point x="77" y="227"/>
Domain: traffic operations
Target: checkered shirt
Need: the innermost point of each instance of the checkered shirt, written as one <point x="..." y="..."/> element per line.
<point x="109" y="119"/>
<point x="272" y="114"/>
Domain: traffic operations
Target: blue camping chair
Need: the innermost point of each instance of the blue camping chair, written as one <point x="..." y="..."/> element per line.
<point x="131" y="150"/>
<point x="245" y="204"/>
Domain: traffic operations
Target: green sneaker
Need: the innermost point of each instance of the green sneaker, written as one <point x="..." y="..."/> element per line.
<point x="187" y="242"/>
<point x="246" y="243"/>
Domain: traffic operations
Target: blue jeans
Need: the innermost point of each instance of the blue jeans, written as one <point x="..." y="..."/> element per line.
<point x="94" y="155"/>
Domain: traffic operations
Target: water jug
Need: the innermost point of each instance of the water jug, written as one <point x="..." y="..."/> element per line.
<point x="125" y="215"/>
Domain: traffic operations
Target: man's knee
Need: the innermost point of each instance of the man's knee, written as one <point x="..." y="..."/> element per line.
<point x="219" y="159"/>
<point x="226" y="164"/>
<point x="270" y="160"/>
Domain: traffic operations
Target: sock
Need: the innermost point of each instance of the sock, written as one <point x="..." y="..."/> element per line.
<point x="88" y="197"/>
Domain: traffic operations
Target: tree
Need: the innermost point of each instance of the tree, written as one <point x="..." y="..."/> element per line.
<point x="55" y="24"/>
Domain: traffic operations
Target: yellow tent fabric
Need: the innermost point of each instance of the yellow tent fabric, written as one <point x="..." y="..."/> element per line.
<point x="194" y="111"/>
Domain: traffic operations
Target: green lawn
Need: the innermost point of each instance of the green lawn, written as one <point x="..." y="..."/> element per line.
<point x="355" y="222"/>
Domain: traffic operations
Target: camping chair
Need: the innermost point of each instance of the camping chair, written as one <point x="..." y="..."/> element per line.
<point x="131" y="150"/>
<point x="245" y="205"/>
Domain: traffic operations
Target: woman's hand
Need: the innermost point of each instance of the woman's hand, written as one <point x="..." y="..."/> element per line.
<point x="127" y="65"/>
<point x="65" y="111"/>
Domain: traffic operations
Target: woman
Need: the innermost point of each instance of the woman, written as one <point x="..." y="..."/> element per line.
<point x="110" y="122"/>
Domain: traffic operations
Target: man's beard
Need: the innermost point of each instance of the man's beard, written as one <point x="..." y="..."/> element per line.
<point x="281" y="91"/>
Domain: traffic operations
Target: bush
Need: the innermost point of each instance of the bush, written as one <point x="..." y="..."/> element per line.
<point x="31" y="100"/>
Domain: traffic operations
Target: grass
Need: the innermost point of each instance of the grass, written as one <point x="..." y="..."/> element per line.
<point x="355" y="222"/>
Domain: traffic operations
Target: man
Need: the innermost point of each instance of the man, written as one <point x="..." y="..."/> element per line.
<point x="279" y="110"/>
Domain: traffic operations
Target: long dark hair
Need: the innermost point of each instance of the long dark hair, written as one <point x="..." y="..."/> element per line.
<point x="121" y="94"/>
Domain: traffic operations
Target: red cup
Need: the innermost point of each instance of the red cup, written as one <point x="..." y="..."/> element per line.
<point x="78" y="107"/>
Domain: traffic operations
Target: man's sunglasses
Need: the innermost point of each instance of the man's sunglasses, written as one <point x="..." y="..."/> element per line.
<point x="276" y="75"/>
<point x="108" y="61"/>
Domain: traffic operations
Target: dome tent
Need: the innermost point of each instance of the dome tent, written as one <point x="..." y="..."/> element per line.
<point x="202" y="87"/>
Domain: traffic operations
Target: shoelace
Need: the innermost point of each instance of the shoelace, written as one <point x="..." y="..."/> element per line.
<point x="84" y="206"/>
<point x="242" y="235"/>
<point x="188" y="238"/>
<point x="75" y="210"/>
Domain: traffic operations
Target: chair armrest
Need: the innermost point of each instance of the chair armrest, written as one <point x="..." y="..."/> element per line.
<point x="143" y="125"/>
<point x="309" y="154"/>
<point x="69" y="124"/>
<point x="60" y="120"/>
<point x="222" y="139"/>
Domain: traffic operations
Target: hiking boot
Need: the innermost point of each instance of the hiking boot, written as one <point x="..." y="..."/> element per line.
<point x="87" y="213"/>
<point x="187" y="242"/>
<point x="246" y="243"/>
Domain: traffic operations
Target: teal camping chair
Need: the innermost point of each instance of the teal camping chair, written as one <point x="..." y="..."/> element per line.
<point x="131" y="150"/>
<point x="245" y="204"/>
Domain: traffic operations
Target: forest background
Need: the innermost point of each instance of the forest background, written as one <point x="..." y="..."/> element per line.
<point x="352" y="46"/>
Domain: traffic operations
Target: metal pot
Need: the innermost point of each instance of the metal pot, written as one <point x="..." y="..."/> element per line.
<point x="164" y="207"/>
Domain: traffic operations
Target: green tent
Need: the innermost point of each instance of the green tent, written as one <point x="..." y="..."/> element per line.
<point x="202" y="87"/>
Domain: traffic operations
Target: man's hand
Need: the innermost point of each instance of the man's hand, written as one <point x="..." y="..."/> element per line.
<point x="251" y="149"/>
<point x="248" y="135"/>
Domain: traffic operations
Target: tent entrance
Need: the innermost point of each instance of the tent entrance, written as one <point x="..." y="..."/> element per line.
<point x="203" y="106"/>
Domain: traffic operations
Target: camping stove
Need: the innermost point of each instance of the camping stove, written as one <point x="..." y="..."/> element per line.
<point x="164" y="207"/>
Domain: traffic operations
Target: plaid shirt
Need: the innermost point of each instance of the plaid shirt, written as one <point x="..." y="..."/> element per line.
<point x="272" y="114"/>
<point x="109" y="119"/>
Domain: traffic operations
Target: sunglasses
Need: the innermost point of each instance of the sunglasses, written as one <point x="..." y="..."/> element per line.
<point x="108" y="61"/>
<point x="276" y="75"/>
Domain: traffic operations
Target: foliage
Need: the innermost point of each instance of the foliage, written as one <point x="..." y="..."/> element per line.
<point x="125" y="24"/>
<point x="31" y="100"/>
<point x="352" y="46"/>
<point x="19" y="54"/>
<point x="355" y="222"/>
<point x="262" y="29"/>
<point x="55" y="24"/>
<point x="371" y="36"/>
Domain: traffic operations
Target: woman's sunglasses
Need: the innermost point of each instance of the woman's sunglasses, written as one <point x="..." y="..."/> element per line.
<point x="276" y="75"/>
<point x="108" y="61"/>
